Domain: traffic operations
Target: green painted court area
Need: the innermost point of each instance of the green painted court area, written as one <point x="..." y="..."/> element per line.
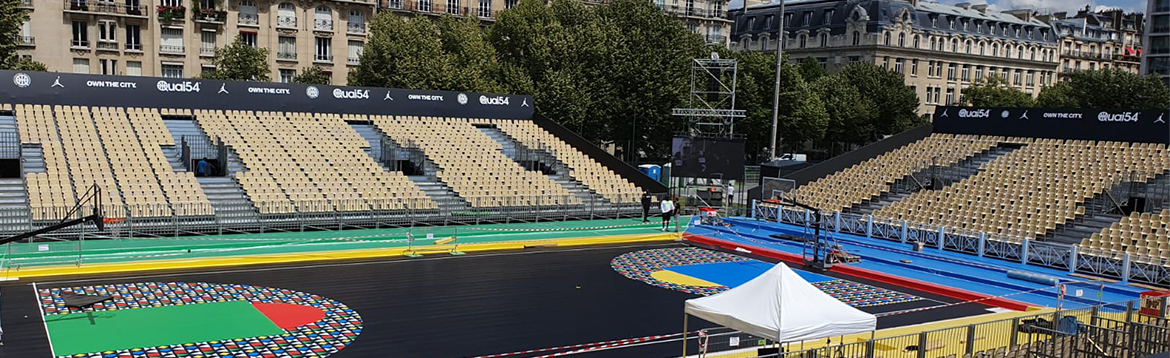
<point x="307" y="242"/>
<point x="149" y="327"/>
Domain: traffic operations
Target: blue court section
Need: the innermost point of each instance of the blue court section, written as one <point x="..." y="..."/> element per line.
<point x="954" y="269"/>
<point x="733" y="274"/>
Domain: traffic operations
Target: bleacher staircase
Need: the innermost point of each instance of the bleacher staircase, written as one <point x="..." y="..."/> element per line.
<point x="543" y="161"/>
<point x="387" y="152"/>
<point x="932" y="178"/>
<point x="1103" y="210"/>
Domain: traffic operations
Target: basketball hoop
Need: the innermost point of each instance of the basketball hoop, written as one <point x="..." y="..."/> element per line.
<point x="113" y="220"/>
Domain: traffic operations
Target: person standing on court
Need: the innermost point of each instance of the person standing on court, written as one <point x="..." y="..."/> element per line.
<point x="646" y="207"/>
<point x="667" y="208"/>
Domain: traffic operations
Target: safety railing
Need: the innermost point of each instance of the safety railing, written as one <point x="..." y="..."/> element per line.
<point x="1074" y="259"/>
<point x="135" y="220"/>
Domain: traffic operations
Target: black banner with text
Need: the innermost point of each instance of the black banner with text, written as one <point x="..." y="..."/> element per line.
<point x="152" y="92"/>
<point x="1147" y="126"/>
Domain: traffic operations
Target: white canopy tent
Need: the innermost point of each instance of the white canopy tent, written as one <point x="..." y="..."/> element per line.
<point x="781" y="306"/>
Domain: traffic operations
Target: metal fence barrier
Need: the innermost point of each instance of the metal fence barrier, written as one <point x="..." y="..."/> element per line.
<point x="1072" y="258"/>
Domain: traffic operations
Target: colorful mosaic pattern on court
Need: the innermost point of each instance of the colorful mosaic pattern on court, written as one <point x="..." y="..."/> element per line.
<point x="718" y="270"/>
<point x="134" y="303"/>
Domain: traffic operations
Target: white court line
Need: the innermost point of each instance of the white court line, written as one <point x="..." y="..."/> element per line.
<point x="37" y="297"/>
<point x="346" y="264"/>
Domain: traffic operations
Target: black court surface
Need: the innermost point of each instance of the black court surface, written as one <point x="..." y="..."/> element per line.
<point x="450" y="307"/>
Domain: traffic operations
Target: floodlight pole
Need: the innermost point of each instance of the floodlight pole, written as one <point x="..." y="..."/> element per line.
<point x="779" y="64"/>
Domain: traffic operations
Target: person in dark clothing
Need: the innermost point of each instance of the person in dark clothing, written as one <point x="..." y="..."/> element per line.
<point x="202" y="167"/>
<point x="646" y="207"/>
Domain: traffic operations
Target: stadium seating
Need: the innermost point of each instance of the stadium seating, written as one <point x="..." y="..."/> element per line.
<point x="473" y="164"/>
<point x="591" y="173"/>
<point x="1030" y="191"/>
<point x="873" y="177"/>
<point x="1146" y="236"/>
<point x="292" y="162"/>
<point x="53" y="189"/>
<point x="297" y="163"/>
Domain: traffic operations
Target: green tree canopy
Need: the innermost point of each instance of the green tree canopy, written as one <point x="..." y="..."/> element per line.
<point x="852" y="117"/>
<point x="239" y="61"/>
<point x="811" y="69"/>
<point x="897" y="104"/>
<point x="12" y="18"/>
<point x="993" y="91"/>
<point x="313" y="75"/>
<point x="1108" y="88"/>
<point x="401" y="53"/>
<point x="27" y="64"/>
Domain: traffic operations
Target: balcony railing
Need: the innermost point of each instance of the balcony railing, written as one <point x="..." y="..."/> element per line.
<point x="323" y="58"/>
<point x="171" y="49"/>
<point x="207" y="50"/>
<point x="106" y="45"/>
<point x="1089" y="55"/>
<point x="25" y="40"/>
<point x="289" y="22"/>
<point x="249" y="19"/>
<point x="79" y="44"/>
<point x="358" y="28"/>
<point x="323" y="25"/>
<point x="171" y="13"/>
<point x="210" y="16"/>
<point x="354" y="60"/>
<point x="134" y="47"/>
<point x="107" y="7"/>
<point x="286" y="55"/>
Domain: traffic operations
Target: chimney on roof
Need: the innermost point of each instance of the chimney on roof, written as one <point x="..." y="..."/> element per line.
<point x="1060" y="15"/>
<point x="980" y="8"/>
<point x="1022" y="14"/>
<point x="964" y="5"/>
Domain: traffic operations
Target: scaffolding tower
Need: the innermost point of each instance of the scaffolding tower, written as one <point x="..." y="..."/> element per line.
<point x="711" y="105"/>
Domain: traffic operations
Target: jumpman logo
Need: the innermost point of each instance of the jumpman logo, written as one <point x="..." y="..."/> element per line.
<point x="388" y="98"/>
<point x="57" y="83"/>
<point x="222" y="88"/>
<point x="525" y="103"/>
<point x="944" y="114"/>
<point x="1025" y="116"/>
<point x="1160" y="120"/>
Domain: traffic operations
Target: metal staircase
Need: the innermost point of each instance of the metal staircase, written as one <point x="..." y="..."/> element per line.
<point x="540" y="159"/>
<point x="389" y="154"/>
<point x="187" y="130"/>
<point x="1110" y="206"/>
<point x="232" y="206"/>
<point x="933" y="177"/>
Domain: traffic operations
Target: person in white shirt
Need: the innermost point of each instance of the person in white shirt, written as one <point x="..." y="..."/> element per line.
<point x="730" y="194"/>
<point x="667" y="208"/>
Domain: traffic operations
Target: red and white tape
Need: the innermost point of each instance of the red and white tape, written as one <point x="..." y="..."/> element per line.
<point x="583" y="347"/>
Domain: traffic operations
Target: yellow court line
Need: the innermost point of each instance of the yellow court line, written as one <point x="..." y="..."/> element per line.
<point x="260" y="259"/>
<point x="681" y="279"/>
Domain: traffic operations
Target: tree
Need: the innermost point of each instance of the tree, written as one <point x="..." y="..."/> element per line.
<point x="993" y="91"/>
<point x="27" y="64"/>
<point x="240" y="61"/>
<point x="896" y="103"/>
<point x="811" y="70"/>
<point x="469" y="60"/>
<point x="12" y="18"/>
<point x="312" y="75"/>
<point x="802" y="113"/>
<point x="851" y="117"/>
<point x="402" y="53"/>
<point x="1108" y="88"/>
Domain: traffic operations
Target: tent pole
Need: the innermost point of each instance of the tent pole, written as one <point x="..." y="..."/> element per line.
<point x="685" y="316"/>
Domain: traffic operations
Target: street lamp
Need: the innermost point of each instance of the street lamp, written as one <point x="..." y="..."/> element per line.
<point x="779" y="63"/>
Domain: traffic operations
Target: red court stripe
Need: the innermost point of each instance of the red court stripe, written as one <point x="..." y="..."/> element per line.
<point x="288" y="315"/>
<point x="867" y="274"/>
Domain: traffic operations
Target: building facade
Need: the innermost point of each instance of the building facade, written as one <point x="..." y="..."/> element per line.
<point x="1098" y="40"/>
<point x="940" y="49"/>
<point x="178" y="38"/>
<point x="1157" y="39"/>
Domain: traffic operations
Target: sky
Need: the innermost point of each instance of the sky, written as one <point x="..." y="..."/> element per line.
<point x="1041" y="5"/>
